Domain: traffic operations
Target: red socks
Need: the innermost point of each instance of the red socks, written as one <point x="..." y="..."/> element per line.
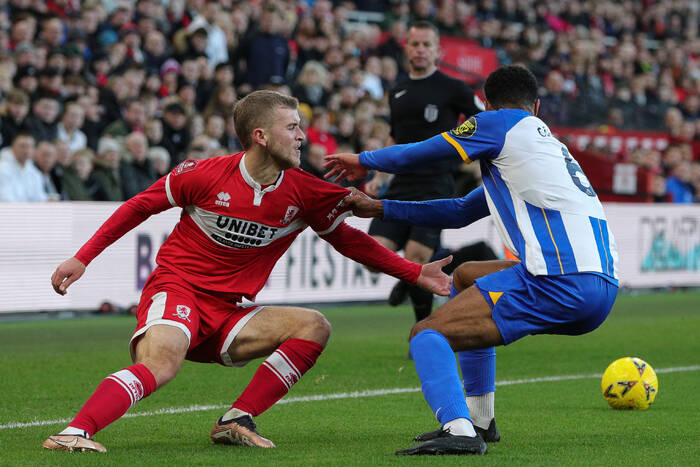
<point x="120" y="390"/>
<point x="113" y="397"/>
<point x="277" y="375"/>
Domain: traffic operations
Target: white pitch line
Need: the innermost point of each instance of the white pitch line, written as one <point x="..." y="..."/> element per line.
<point x="326" y="397"/>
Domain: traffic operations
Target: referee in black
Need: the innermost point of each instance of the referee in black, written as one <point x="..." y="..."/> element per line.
<point x="428" y="102"/>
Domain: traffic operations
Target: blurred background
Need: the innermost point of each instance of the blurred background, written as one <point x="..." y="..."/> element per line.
<point x="98" y="99"/>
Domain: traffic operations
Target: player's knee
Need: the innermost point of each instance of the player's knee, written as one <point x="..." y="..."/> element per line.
<point x="465" y="275"/>
<point x="421" y="325"/>
<point x="162" y="350"/>
<point x="322" y="326"/>
<point x="418" y="257"/>
<point x="164" y="367"/>
<point x="315" y="327"/>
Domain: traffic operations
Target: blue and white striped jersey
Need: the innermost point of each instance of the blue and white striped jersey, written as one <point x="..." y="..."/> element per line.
<point x="543" y="206"/>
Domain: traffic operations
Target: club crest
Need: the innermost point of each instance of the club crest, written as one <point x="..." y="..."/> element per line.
<point x="291" y="212"/>
<point x="183" y="312"/>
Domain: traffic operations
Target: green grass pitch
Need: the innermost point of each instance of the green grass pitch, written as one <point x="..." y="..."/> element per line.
<point x="50" y="367"/>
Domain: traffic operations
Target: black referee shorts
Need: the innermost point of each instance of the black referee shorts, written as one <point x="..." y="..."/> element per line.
<point x="414" y="187"/>
<point x="402" y="233"/>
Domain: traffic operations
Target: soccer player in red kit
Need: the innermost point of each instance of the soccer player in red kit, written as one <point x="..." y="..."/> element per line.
<point x="240" y="213"/>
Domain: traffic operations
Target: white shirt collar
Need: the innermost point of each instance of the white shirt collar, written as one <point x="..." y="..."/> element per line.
<point x="258" y="191"/>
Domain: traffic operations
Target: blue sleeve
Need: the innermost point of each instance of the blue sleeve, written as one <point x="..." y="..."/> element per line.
<point x="402" y="157"/>
<point x="479" y="137"/>
<point x="443" y="213"/>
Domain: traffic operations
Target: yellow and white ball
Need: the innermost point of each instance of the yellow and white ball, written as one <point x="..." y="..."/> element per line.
<point x="629" y="383"/>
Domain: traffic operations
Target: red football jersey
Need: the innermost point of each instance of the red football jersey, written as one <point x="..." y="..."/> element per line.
<point x="232" y="231"/>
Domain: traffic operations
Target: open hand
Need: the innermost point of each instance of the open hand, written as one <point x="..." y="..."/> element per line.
<point x="344" y="166"/>
<point x="433" y="279"/>
<point x="66" y="273"/>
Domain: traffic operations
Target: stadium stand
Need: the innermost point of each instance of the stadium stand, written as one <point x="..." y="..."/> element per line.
<point x="621" y="80"/>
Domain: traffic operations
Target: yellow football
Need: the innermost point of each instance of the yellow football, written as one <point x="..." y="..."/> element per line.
<point x="629" y="383"/>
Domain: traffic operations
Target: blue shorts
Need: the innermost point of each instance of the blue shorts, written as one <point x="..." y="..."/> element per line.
<point x="524" y="304"/>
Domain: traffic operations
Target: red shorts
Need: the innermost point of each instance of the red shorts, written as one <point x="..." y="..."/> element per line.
<point x="210" y="321"/>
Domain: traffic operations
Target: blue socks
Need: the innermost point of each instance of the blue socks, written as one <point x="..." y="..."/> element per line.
<point x="437" y="370"/>
<point x="478" y="370"/>
<point x="478" y="367"/>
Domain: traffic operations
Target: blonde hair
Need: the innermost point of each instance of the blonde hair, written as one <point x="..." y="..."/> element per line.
<point x="308" y="71"/>
<point x="255" y="111"/>
<point x="85" y="153"/>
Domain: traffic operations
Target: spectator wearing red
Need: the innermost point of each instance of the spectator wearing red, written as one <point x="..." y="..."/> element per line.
<point x="319" y="131"/>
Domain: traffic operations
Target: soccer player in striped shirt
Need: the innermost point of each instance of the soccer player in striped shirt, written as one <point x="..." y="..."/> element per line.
<point x="546" y="213"/>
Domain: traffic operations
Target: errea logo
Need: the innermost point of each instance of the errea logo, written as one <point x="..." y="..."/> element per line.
<point x="223" y="199"/>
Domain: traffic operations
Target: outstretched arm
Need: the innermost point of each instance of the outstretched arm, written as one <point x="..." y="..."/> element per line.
<point x="126" y="217"/>
<point x="393" y="159"/>
<point x="362" y="248"/>
<point x="442" y="213"/>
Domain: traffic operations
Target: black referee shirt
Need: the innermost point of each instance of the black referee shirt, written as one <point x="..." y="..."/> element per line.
<point x="420" y="109"/>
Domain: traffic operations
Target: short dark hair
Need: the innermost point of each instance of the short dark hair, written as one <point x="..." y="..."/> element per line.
<point x="511" y="86"/>
<point x="255" y="111"/>
<point x="131" y="101"/>
<point x="422" y="24"/>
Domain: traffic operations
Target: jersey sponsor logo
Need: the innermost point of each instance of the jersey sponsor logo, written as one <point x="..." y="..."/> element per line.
<point x="242" y="233"/>
<point x="239" y="233"/>
<point x="400" y="93"/>
<point x="466" y="129"/>
<point x="186" y="166"/>
<point x="289" y="215"/>
<point x="183" y="312"/>
<point x="222" y="199"/>
<point x="431" y="112"/>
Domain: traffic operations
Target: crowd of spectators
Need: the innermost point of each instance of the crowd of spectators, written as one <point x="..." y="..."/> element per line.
<point x="99" y="98"/>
